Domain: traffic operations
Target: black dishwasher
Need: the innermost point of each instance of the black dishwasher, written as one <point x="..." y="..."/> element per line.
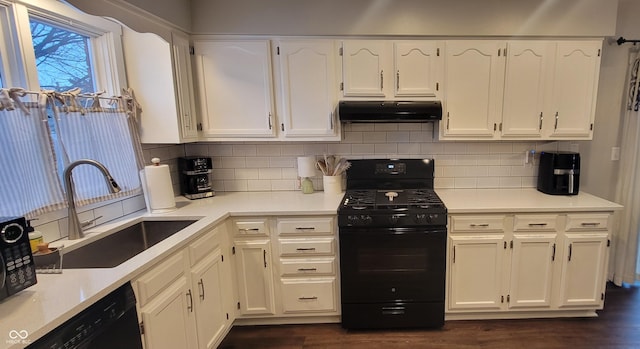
<point x="111" y="322"/>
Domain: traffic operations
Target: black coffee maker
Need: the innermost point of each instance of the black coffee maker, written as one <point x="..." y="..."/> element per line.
<point x="559" y="173"/>
<point x="194" y="177"/>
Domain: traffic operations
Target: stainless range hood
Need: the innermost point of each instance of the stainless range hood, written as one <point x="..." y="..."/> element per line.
<point x="389" y="111"/>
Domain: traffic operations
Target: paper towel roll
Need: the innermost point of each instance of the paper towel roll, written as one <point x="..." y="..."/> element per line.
<point x="157" y="188"/>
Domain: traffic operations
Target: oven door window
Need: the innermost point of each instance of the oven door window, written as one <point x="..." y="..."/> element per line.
<point x="389" y="265"/>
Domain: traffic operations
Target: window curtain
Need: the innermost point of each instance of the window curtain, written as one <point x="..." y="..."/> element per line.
<point x="624" y="266"/>
<point x="107" y="134"/>
<point x="27" y="168"/>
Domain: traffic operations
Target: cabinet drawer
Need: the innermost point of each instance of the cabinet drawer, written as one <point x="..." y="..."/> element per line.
<point x="299" y="296"/>
<point x="483" y="223"/>
<point x="307" y="247"/>
<point x="297" y="226"/>
<point x="307" y="267"/>
<point x="587" y="221"/>
<point x="251" y="227"/>
<point x="528" y="222"/>
<point x="151" y="283"/>
<point x="204" y="245"/>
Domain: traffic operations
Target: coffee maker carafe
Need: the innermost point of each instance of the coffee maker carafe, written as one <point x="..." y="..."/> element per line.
<point x="194" y="177"/>
<point x="559" y="173"/>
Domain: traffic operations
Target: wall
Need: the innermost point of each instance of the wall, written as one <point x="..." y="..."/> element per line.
<point x="405" y="17"/>
<point x="268" y="166"/>
<point x="599" y="172"/>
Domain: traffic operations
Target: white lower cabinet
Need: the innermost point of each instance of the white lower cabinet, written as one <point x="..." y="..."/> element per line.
<point x="186" y="300"/>
<point x="476" y="271"/>
<point x="506" y="263"/>
<point x="286" y="267"/>
<point x="255" y="282"/>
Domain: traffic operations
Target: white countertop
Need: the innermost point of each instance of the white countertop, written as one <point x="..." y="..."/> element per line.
<point x="57" y="297"/>
<point x="520" y="200"/>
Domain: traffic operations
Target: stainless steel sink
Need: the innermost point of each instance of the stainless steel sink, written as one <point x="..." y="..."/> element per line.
<point x="120" y="246"/>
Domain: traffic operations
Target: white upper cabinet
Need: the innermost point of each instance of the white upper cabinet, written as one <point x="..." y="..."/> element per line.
<point x="185" y="86"/>
<point x="160" y="75"/>
<point x="417" y="68"/>
<point x="527" y="89"/>
<point x="525" y="84"/>
<point x="235" y="88"/>
<point x="575" y="85"/>
<point x="364" y="64"/>
<point x="307" y="77"/>
<point x="474" y="74"/>
<point x="391" y="69"/>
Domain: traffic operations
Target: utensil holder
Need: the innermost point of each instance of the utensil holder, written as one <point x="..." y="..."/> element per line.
<point x="332" y="185"/>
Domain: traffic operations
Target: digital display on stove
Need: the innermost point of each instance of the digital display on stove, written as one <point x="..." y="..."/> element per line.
<point x="391" y="168"/>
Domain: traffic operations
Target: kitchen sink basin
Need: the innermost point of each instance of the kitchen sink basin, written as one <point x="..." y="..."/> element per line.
<point x="118" y="247"/>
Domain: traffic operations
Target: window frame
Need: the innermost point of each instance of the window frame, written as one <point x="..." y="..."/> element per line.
<point x="105" y="36"/>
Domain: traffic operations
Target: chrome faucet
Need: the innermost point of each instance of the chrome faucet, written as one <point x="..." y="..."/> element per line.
<point x="75" y="228"/>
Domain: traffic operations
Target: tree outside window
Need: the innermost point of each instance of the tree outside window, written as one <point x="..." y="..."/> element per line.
<point x="63" y="57"/>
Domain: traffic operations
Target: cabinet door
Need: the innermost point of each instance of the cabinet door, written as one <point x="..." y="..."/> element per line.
<point x="207" y="283"/>
<point x="185" y="86"/>
<point x="575" y="85"/>
<point x="169" y="320"/>
<point x="532" y="263"/>
<point x="150" y="72"/>
<point x="476" y="269"/>
<point x="308" y="88"/>
<point x="526" y="80"/>
<point x="582" y="279"/>
<point x="254" y="274"/>
<point x="417" y="65"/>
<point x="235" y="88"/>
<point x="366" y="68"/>
<point x="473" y="82"/>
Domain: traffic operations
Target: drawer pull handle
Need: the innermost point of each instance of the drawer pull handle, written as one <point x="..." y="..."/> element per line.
<point x="393" y="310"/>
<point x="249" y="229"/>
<point x="587" y="224"/>
<point x="481" y="225"/>
<point x="305" y="228"/>
<point x="537" y="224"/>
<point x="307" y="269"/>
<point x="305" y="249"/>
<point x="308" y="298"/>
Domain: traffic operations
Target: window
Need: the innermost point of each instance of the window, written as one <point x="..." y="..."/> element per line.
<point x="48" y="45"/>
<point x="63" y="57"/>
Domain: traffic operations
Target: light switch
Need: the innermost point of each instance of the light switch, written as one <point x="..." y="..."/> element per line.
<point x="615" y="153"/>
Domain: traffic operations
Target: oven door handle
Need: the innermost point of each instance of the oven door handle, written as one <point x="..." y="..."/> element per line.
<point x="3" y="272"/>
<point x="398" y="310"/>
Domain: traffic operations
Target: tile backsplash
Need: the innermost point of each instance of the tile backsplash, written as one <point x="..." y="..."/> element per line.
<point x="271" y="166"/>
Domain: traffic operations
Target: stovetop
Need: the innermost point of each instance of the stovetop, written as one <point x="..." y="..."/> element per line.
<point x="386" y="208"/>
<point x="400" y="199"/>
<point x="391" y="193"/>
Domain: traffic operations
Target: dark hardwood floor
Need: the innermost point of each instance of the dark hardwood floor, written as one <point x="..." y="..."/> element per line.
<point x="617" y="326"/>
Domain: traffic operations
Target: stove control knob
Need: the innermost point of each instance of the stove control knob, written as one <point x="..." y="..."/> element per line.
<point x="366" y="219"/>
<point x="353" y="219"/>
<point x="433" y="218"/>
<point x="423" y="218"/>
<point x="393" y="219"/>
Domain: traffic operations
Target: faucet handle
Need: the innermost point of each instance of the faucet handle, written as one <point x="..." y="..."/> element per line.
<point x="89" y="222"/>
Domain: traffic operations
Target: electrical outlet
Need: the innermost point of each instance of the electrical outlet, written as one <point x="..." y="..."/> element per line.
<point x="615" y="153"/>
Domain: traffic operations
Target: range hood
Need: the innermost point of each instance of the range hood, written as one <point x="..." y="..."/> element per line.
<point x="389" y="111"/>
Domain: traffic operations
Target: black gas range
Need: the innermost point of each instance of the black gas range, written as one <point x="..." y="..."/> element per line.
<point x="392" y="229"/>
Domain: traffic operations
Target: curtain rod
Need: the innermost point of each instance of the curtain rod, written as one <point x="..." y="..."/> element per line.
<point x="622" y="40"/>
